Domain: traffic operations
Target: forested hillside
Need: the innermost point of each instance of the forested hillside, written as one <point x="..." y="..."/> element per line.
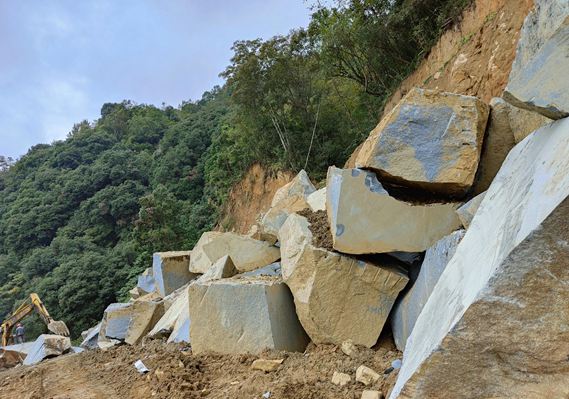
<point x="80" y="218"/>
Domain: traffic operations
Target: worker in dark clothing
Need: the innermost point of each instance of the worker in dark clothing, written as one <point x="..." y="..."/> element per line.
<point x="20" y="331"/>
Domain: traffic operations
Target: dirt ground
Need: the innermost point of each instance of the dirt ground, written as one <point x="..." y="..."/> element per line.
<point x="176" y="373"/>
<point x="319" y="228"/>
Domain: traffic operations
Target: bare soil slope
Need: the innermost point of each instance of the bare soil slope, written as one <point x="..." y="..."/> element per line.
<point x="177" y="373"/>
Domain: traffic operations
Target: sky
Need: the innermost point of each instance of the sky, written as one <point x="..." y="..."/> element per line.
<point x="61" y="60"/>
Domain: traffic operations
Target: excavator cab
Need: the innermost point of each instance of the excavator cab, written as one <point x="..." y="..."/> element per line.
<point x="33" y="303"/>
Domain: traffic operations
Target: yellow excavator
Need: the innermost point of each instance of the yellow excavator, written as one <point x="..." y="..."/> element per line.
<point x="25" y="309"/>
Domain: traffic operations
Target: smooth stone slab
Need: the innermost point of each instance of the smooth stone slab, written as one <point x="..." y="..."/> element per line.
<point x="171" y="271"/>
<point x="501" y="304"/>
<point x="365" y="219"/>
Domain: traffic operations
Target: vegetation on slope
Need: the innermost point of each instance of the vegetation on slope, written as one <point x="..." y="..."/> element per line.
<point x="80" y="218"/>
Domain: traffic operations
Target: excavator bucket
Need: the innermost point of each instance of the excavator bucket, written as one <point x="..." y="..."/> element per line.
<point x="59" y="328"/>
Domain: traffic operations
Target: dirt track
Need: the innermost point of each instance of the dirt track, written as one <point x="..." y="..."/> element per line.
<point x="176" y="373"/>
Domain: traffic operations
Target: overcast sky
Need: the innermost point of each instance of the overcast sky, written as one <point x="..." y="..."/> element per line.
<point x="61" y="60"/>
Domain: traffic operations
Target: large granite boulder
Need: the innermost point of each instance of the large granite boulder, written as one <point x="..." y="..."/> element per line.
<point x="317" y="200"/>
<point x="364" y="218"/>
<point x="246" y="315"/>
<point x="199" y="262"/>
<point x="300" y="186"/>
<point x="171" y="271"/>
<point x="500" y="306"/>
<point x="176" y="317"/>
<point x="245" y="252"/>
<point x="337" y="298"/>
<point x="146" y="282"/>
<point x="407" y="308"/>
<point x="47" y="345"/>
<point x="507" y="126"/>
<point x="222" y="268"/>
<point x="128" y="322"/>
<point x="431" y="140"/>
<point x="91" y="337"/>
<point x="290" y="198"/>
<point x="539" y="80"/>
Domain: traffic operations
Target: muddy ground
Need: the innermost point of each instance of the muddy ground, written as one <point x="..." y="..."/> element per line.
<point x="177" y="373"/>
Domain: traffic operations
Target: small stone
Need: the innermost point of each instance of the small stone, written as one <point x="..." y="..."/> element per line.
<point x="267" y="395"/>
<point x="396" y="364"/>
<point x="340" y="379"/>
<point x="266" y="365"/>
<point x="371" y="395"/>
<point x="366" y="376"/>
<point x="348" y="348"/>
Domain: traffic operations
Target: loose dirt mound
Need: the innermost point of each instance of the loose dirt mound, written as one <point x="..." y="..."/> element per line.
<point x="177" y="373"/>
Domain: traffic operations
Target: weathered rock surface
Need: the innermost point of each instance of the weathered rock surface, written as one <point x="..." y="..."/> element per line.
<point x="366" y="394"/>
<point x="300" y="186"/>
<point x="430" y="140"/>
<point x="538" y="79"/>
<point x="266" y="365"/>
<point x="317" y="200"/>
<point x="47" y="345"/>
<point x="115" y="321"/>
<point x="291" y="198"/>
<point x="407" y="308"/>
<point x="337" y="297"/>
<point x="366" y="376"/>
<point x="199" y="262"/>
<point x="171" y="271"/>
<point x="501" y="303"/>
<point x="10" y="358"/>
<point x="272" y="270"/>
<point x="167" y="323"/>
<point x="246" y="253"/>
<point x="144" y="316"/>
<point x="365" y="219"/>
<point x="146" y="282"/>
<point x="91" y="337"/>
<point x="467" y="211"/>
<point x="244" y="315"/>
<point x="222" y="268"/>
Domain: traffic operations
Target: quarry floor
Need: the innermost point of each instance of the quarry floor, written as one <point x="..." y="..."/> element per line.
<point x="176" y="373"/>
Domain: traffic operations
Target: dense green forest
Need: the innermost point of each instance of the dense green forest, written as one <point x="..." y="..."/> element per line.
<point x="80" y="218"/>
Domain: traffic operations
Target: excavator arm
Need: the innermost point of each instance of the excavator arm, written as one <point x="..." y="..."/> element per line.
<point x="34" y="303"/>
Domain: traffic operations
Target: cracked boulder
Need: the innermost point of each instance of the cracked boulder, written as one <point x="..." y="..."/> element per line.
<point x="171" y="271"/>
<point x="431" y="141"/>
<point x="337" y="298"/>
<point x="539" y="80"/>
<point x="246" y="253"/>
<point x="495" y="325"/>
<point x="365" y="219"/>
<point x="246" y="315"/>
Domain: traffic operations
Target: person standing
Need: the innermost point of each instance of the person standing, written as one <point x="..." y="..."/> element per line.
<point x="20" y="332"/>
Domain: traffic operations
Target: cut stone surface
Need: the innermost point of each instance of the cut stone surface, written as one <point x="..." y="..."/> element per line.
<point x="47" y="345"/>
<point x="222" y="268"/>
<point x="273" y="270"/>
<point x="276" y="215"/>
<point x="300" y="186"/>
<point x="348" y="348"/>
<point x="337" y="297"/>
<point x="340" y="379"/>
<point x="467" y="211"/>
<point x="407" y="309"/>
<point x="246" y="253"/>
<point x="199" y="261"/>
<point x="171" y="271"/>
<point x="501" y="304"/>
<point x="115" y="321"/>
<point x="431" y="140"/>
<point x="539" y="80"/>
<point x="144" y="316"/>
<point x="317" y="200"/>
<point x="168" y="321"/>
<point x="181" y="330"/>
<point x="365" y="219"/>
<point x="366" y="376"/>
<point x="91" y="337"/>
<point x="146" y="281"/>
<point x="244" y="316"/>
